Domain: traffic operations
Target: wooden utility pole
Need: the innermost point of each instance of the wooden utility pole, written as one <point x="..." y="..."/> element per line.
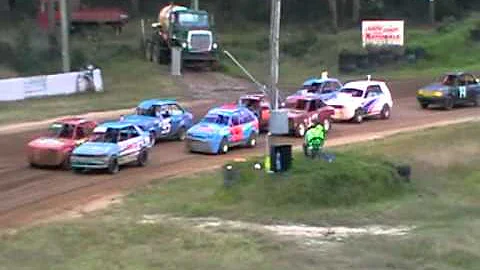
<point x="431" y="8"/>
<point x="275" y="47"/>
<point x="65" y="35"/>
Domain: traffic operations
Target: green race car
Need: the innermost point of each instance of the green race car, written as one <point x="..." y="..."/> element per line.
<point x="454" y="88"/>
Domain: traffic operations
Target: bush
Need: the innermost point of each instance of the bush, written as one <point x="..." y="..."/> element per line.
<point x="349" y="180"/>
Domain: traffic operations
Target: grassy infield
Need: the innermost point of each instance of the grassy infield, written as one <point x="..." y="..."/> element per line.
<point x="441" y="202"/>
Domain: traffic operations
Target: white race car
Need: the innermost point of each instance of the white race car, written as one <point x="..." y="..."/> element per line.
<point x="359" y="99"/>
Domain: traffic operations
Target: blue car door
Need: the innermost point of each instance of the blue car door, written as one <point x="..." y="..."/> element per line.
<point x="177" y="117"/>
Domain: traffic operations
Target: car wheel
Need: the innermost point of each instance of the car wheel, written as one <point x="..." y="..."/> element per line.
<point x="448" y="104"/>
<point x="300" y="132"/>
<point x="252" y="141"/>
<point x="223" y="148"/>
<point x="358" y="117"/>
<point x="153" y="139"/>
<point x="327" y="124"/>
<point x="476" y="100"/>
<point x="142" y="158"/>
<point x="181" y="134"/>
<point x="424" y="105"/>
<point x="113" y="166"/>
<point x="385" y="113"/>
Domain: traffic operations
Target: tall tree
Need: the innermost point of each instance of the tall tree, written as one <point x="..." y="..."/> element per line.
<point x="334" y="14"/>
<point x="356" y="11"/>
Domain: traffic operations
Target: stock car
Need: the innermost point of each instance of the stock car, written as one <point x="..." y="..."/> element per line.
<point x="162" y="118"/>
<point x="362" y="99"/>
<point x="304" y="111"/>
<point x="454" y="88"/>
<point x="222" y="128"/>
<point x="54" y="148"/>
<point x="260" y="105"/>
<point x="324" y="86"/>
<point x="112" y="144"/>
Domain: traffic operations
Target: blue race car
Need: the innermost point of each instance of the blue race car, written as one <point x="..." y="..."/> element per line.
<point x="162" y="118"/>
<point x="222" y="128"/>
<point x="112" y="144"/>
<point x="324" y="87"/>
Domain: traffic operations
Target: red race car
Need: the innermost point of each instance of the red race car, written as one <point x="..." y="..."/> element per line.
<point x="260" y="106"/>
<point x="54" y="148"/>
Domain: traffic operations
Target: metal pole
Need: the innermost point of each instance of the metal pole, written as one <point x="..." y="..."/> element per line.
<point x="274" y="47"/>
<point x="65" y="36"/>
<point x="195" y="4"/>
<point x="432" y="11"/>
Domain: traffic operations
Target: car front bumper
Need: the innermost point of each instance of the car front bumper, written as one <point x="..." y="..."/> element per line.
<point x="430" y="100"/>
<point x="203" y="146"/>
<point x="342" y="114"/>
<point x="89" y="162"/>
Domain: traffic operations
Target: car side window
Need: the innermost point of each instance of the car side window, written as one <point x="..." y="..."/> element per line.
<point x="235" y="120"/>
<point x="124" y="135"/>
<point x="373" y="91"/>
<point x="175" y="109"/>
<point x="469" y="79"/>
<point x="80" y="133"/>
<point x="312" y="106"/>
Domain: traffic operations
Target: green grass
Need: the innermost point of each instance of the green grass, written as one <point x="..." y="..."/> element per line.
<point x="441" y="202"/>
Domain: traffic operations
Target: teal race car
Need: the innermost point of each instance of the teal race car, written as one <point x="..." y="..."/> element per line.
<point x="458" y="88"/>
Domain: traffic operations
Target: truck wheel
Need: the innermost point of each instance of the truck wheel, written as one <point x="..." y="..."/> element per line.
<point x="156" y="54"/>
<point x="386" y="112"/>
<point x="223" y="148"/>
<point x="142" y="158"/>
<point x="448" y="103"/>
<point x="163" y="56"/>
<point x="113" y="166"/>
<point x="300" y="131"/>
<point x="148" y="51"/>
<point x="358" y="117"/>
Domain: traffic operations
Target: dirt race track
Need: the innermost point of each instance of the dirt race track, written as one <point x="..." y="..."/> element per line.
<point x="28" y="195"/>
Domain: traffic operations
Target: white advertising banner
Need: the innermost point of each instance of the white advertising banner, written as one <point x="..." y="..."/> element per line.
<point x="51" y="85"/>
<point x="383" y="32"/>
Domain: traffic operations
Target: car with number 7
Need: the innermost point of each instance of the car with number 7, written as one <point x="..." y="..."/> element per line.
<point x="456" y="88"/>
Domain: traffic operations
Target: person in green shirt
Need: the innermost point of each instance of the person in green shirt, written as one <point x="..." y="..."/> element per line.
<point x="314" y="140"/>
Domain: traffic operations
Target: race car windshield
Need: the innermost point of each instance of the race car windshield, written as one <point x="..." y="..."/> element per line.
<point x="190" y="19"/>
<point x="60" y="130"/>
<point x="299" y="104"/>
<point x="216" y="119"/>
<point x="449" y="80"/>
<point x="111" y="136"/>
<point x="352" y="91"/>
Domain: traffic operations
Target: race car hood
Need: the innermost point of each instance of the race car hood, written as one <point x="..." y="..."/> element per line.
<point x="204" y="129"/>
<point x="51" y="143"/>
<point x="96" y="149"/>
<point x="143" y="121"/>
<point x="436" y="87"/>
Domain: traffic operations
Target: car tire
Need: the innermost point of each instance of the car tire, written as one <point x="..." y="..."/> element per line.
<point x="223" y="147"/>
<point x="300" y="130"/>
<point x="113" y="166"/>
<point x="142" y="158"/>
<point x="448" y="103"/>
<point x="252" y="141"/>
<point x="153" y="139"/>
<point x="476" y="100"/>
<point x="327" y="124"/>
<point x="386" y="112"/>
<point x="358" y="116"/>
<point x="181" y="134"/>
<point x="424" y="105"/>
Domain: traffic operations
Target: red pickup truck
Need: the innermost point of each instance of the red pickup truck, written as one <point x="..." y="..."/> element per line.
<point x="80" y="15"/>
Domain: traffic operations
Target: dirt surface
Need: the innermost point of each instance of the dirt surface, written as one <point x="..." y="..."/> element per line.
<point x="29" y="195"/>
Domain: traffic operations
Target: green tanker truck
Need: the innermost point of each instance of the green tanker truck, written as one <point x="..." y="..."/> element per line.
<point x="191" y="30"/>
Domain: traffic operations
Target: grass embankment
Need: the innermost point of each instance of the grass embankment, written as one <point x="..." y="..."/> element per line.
<point x="441" y="202"/>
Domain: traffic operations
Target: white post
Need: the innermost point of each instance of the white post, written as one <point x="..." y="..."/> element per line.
<point x="65" y="36"/>
<point x="176" y="63"/>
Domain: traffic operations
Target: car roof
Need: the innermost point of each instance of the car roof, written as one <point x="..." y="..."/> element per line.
<point x="73" y="120"/>
<point x="146" y="104"/>
<point x="226" y="109"/>
<point x="362" y="84"/>
<point x="311" y="81"/>
<point x="116" y="124"/>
